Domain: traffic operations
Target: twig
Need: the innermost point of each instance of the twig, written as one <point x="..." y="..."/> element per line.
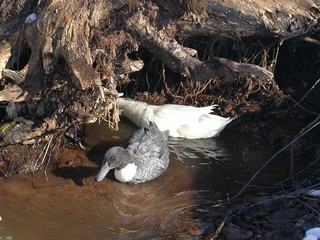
<point x="298" y="103"/>
<point x="291" y="168"/>
<point x="219" y="229"/>
<point x="302" y="107"/>
<point x="45" y="155"/>
<point x="163" y="76"/>
<point x="36" y="162"/>
<point x="45" y="151"/>
<point x="301" y="171"/>
<point x="311" y="40"/>
<point x="253" y="186"/>
<point x="312" y="125"/>
<point x="205" y="86"/>
<point x="285" y="195"/>
<point x="308" y="206"/>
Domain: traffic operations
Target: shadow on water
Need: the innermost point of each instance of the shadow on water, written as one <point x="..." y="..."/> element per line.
<point x="177" y="205"/>
<point x="76" y="174"/>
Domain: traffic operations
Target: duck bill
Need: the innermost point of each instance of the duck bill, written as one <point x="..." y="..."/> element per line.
<point x="103" y="172"/>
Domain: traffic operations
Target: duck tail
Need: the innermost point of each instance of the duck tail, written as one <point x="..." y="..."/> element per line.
<point x="210" y="108"/>
<point x="214" y="107"/>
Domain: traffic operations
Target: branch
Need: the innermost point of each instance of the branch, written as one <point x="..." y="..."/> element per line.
<point x="176" y="57"/>
<point x="303" y="132"/>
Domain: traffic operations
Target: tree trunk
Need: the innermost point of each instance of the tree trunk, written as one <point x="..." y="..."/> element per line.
<point x="63" y="68"/>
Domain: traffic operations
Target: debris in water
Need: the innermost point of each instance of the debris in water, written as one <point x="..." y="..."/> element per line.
<point x="312" y="234"/>
<point x="30" y="18"/>
<point x="314" y="193"/>
<point x="310" y="237"/>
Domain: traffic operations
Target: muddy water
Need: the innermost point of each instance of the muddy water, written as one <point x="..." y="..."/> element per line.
<point x="69" y="204"/>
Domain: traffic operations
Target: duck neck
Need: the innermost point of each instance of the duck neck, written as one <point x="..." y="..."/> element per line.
<point x="133" y="110"/>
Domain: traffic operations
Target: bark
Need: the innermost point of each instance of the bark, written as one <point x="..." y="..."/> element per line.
<point x="237" y="19"/>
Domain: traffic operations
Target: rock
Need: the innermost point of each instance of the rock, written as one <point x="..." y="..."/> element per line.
<point x="234" y="232"/>
<point x="310" y="237"/>
<point x="314" y="231"/>
<point x="314" y="193"/>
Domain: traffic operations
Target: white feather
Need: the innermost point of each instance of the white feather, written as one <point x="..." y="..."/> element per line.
<point x="126" y="174"/>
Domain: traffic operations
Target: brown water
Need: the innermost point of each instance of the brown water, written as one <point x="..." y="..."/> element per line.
<point x="177" y="205"/>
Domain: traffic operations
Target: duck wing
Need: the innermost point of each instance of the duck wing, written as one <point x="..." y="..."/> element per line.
<point x="147" y="141"/>
<point x="208" y="126"/>
<point x="150" y="151"/>
<point x="171" y="116"/>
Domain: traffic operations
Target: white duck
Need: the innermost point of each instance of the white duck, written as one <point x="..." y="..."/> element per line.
<point x="179" y="120"/>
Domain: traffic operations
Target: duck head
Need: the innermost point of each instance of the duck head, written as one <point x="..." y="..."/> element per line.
<point x="114" y="158"/>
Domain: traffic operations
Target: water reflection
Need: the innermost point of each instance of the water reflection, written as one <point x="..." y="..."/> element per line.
<point x="156" y="209"/>
<point x="209" y="148"/>
<point x="177" y="205"/>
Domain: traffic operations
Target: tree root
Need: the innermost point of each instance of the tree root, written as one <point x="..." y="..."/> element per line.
<point x="179" y="60"/>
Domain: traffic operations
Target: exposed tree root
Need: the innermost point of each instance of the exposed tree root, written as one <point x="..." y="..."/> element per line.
<point x="178" y="59"/>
